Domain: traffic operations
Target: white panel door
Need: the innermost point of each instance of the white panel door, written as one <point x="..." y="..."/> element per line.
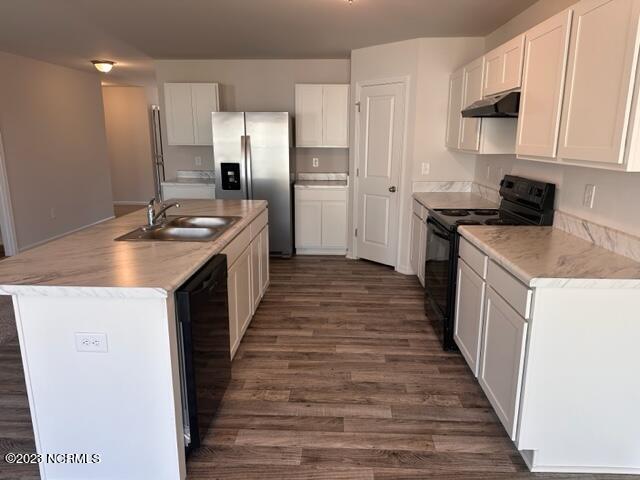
<point x="379" y="160"/>
<point x="467" y="330"/>
<point x="256" y="281"/>
<point x="335" y="116"/>
<point x="179" y="114"/>
<point x="264" y="260"/>
<point x="309" y="224"/>
<point x="502" y="359"/>
<point x="599" y="88"/>
<point x="334" y="224"/>
<point x="204" y="98"/>
<point x="454" y="118"/>
<point x="547" y="47"/>
<point x="473" y="80"/>
<point x="309" y="100"/>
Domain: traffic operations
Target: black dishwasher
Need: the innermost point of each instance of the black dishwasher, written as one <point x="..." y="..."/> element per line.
<point x="204" y="347"/>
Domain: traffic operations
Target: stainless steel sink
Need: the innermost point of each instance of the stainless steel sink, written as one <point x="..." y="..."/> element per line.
<point x="182" y="229"/>
<point x="201" y="222"/>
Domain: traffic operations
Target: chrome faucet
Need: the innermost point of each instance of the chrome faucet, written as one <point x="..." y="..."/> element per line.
<point x="153" y="216"/>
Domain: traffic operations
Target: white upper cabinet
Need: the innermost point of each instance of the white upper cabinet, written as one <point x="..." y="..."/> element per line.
<point x="188" y="108"/>
<point x="322" y="116"/>
<point x="503" y="67"/>
<point x="473" y="75"/>
<point x="545" y="62"/>
<point x="454" y="118"/>
<point x="600" y="82"/>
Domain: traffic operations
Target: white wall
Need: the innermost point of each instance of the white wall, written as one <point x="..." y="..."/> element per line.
<point x="129" y="142"/>
<point x="427" y="63"/>
<point x="53" y="130"/>
<point x="617" y="194"/>
<point x="252" y="85"/>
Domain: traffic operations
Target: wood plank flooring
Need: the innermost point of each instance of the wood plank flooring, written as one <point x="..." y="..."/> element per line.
<point x="340" y="376"/>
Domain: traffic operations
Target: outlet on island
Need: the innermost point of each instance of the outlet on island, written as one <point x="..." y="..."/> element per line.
<point x="91" y="342"/>
<point x="198" y="161"/>
<point x="315" y="162"/>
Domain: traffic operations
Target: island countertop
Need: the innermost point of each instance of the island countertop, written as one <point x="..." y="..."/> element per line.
<point x="91" y="258"/>
<point x="548" y="257"/>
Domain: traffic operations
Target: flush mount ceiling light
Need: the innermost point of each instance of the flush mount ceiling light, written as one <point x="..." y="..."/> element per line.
<point x="103" y="66"/>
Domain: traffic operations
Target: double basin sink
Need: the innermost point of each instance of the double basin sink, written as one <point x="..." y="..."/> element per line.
<point x="182" y="229"/>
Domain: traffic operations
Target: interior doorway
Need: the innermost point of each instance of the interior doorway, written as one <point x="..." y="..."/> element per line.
<point x="7" y="225"/>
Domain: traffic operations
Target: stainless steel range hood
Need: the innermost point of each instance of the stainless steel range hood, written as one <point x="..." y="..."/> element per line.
<point x="505" y="105"/>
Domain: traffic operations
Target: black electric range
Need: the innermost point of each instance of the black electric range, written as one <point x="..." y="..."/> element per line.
<point x="523" y="202"/>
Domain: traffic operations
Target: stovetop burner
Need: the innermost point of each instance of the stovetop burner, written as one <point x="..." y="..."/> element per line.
<point x="450" y="212"/>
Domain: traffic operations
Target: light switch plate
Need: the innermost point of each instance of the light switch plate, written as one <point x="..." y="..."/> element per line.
<point x="426" y="168"/>
<point x="316" y="162"/>
<point x="92" y="342"/>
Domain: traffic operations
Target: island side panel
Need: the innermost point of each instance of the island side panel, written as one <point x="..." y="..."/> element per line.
<point x="122" y="404"/>
<point x="581" y="381"/>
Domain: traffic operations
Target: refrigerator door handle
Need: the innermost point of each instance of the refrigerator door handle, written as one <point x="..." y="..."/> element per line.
<point x="249" y="177"/>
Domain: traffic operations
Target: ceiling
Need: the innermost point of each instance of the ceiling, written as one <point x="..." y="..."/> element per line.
<point x="133" y="32"/>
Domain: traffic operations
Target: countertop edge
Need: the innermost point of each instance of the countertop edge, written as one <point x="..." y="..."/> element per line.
<point x="79" y="291"/>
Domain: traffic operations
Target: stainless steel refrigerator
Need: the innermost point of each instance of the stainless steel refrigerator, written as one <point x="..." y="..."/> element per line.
<point x="252" y="155"/>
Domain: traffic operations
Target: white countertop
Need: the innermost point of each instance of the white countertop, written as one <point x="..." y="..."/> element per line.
<point x="433" y="200"/>
<point x="92" y="261"/>
<point x="548" y="257"/>
<point x="321" y="184"/>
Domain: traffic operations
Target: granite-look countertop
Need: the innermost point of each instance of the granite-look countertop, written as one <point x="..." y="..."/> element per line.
<point x="433" y="200"/>
<point x="93" y="260"/>
<point x="548" y="257"/>
<point x="320" y="184"/>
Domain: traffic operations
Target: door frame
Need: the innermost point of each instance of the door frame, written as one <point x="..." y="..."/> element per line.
<point x="405" y="80"/>
<point x="7" y="223"/>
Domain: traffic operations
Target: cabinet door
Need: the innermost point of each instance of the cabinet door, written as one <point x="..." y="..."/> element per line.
<point x="335" y="116"/>
<point x="415" y="243"/>
<point x="545" y="63"/>
<point x="204" y="98"/>
<point x="599" y="87"/>
<point x="309" y="224"/>
<point x="264" y="260"/>
<point x="503" y="67"/>
<point x="334" y="224"/>
<point x="309" y="115"/>
<point x="244" y="299"/>
<point x="422" y="252"/>
<point x="502" y="359"/>
<point x="256" y="280"/>
<point x="179" y="114"/>
<point x="473" y="80"/>
<point x="232" y="294"/>
<point x="469" y="314"/>
<point x="454" y="118"/>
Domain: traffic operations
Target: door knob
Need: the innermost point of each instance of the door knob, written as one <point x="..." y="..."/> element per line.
<point x="392" y="189"/>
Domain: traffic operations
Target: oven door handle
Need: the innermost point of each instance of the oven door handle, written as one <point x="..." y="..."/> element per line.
<point x="436" y="230"/>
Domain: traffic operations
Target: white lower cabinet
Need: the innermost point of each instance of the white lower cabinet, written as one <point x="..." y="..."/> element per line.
<point x="467" y="331"/>
<point x="321" y="221"/>
<point x="247" y="276"/>
<point x="418" y="247"/>
<point x="502" y="359"/>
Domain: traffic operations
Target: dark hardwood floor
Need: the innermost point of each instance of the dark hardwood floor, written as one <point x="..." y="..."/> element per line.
<point x="340" y="377"/>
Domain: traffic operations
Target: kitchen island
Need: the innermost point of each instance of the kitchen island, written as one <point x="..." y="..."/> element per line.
<point x="123" y="404"/>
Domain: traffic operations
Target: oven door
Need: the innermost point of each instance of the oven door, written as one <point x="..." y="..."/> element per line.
<point x="440" y="266"/>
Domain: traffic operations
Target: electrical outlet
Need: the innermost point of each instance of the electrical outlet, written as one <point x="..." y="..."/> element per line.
<point x="198" y="161"/>
<point x="53" y="213"/>
<point x="316" y="162"/>
<point x="589" y="195"/>
<point x="91" y="342"/>
<point x="426" y="168"/>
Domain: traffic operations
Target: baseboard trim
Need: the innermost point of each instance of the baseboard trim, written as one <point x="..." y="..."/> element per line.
<point x="312" y="251"/>
<point x="56" y="237"/>
<point x="405" y="270"/>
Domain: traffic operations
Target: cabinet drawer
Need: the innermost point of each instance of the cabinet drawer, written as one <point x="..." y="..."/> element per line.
<point x="508" y="287"/>
<point x="258" y="224"/>
<point x="338" y="194"/>
<point x="473" y="257"/>
<point x="237" y="246"/>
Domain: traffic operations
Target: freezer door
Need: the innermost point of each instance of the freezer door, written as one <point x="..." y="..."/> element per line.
<point x="229" y="148"/>
<point x="269" y="167"/>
